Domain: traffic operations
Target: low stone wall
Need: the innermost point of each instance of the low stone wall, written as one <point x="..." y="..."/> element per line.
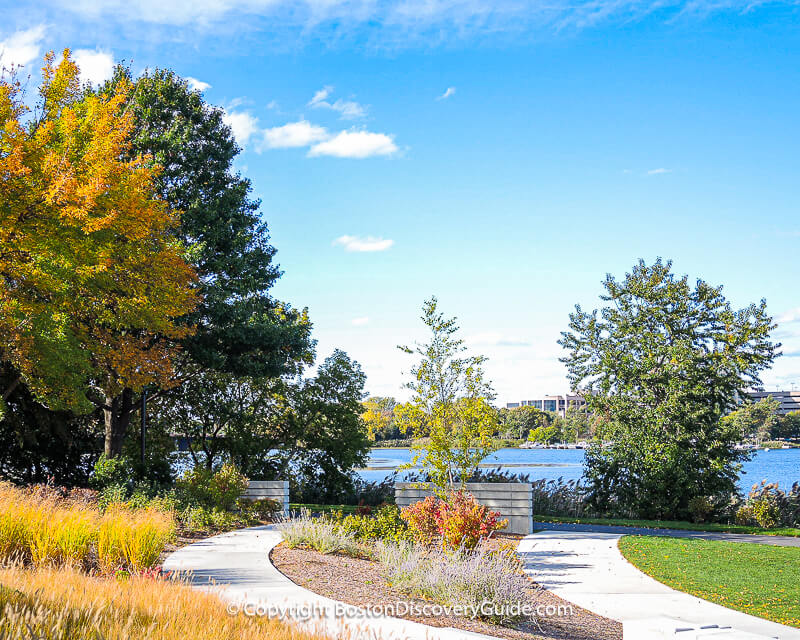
<point x="513" y="500"/>
<point x="277" y="490"/>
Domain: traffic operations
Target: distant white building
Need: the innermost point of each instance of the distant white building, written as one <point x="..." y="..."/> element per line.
<point x="556" y="404"/>
<point x="789" y="400"/>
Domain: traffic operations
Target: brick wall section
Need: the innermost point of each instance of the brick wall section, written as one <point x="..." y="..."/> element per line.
<point x="513" y="500"/>
<point x="277" y="490"/>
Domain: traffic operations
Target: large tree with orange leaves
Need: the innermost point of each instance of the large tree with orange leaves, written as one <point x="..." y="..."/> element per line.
<point x="92" y="278"/>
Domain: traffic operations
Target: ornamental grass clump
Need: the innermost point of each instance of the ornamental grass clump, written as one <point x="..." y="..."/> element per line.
<point x="491" y="581"/>
<point x="64" y="604"/>
<point x="132" y="539"/>
<point x="319" y="534"/>
<point x="40" y="529"/>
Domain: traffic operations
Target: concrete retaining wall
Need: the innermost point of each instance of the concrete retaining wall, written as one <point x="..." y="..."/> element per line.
<point x="513" y="500"/>
<point x="277" y="490"/>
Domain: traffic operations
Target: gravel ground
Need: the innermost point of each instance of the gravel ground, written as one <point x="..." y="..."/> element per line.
<point x="359" y="582"/>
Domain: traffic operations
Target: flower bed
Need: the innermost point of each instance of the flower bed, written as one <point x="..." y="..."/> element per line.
<point x="361" y="582"/>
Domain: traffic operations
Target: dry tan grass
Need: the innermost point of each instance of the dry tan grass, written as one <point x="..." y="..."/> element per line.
<point x="61" y="604"/>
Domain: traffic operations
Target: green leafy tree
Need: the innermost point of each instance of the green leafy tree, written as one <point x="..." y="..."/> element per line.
<point x="239" y="327"/>
<point x="662" y="362"/>
<point x="544" y="435"/>
<point x="787" y="426"/>
<point x="519" y="421"/>
<point x="578" y="424"/>
<point x="307" y="429"/>
<point x="450" y="404"/>
<point x="755" y="420"/>
<point x="378" y="417"/>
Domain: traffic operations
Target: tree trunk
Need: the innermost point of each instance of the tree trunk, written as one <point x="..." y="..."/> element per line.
<point x="117" y="414"/>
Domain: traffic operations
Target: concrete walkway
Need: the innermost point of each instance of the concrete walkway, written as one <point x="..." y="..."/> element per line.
<point x="587" y="569"/>
<point x="778" y="541"/>
<point x="236" y="565"/>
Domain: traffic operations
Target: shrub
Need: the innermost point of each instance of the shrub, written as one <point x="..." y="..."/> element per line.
<point x="766" y="512"/>
<point x="221" y="490"/>
<point x="744" y="515"/>
<point x="463" y="577"/>
<point x="226" y="487"/>
<point x="261" y="509"/>
<point x="421" y="519"/>
<point x="700" y="507"/>
<point x="319" y="534"/>
<point x="768" y="506"/>
<point x="111" y="471"/>
<point x="385" y="524"/>
<point x="458" y="521"/>
<point x="463" y="522"/>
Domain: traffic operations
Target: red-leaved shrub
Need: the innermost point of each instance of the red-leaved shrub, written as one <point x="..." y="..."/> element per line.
<point x="421" y="519"/>
<point x="460" y="521"/>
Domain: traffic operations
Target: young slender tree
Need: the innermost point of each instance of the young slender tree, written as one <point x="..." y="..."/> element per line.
<point x="660" y="364"/>
<point x="450" y="404"/>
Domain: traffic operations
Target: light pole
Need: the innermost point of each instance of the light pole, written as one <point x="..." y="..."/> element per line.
<point x="144" y="421"/>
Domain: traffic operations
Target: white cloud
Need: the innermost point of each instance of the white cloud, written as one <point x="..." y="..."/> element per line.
<point x="360" y="322"/>
<point x="320" y="96"/>
<point x="22" y="47"/>
<point x="659" y="171"/>
<point x="347" y="109"/>
<point x="197" y="85"/>
<point x="355" y="144"/>
<point x="792" y="315"/>
<point x="243" y="124"/>
<point x="365" y="244"/>
<point x="449" y="92"/>
<point x="96" y="66"/>
<point x="294" y="134"/>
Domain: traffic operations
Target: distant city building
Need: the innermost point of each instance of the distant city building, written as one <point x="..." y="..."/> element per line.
<point x="789" y="400"/>
<point x="556" y="404"/>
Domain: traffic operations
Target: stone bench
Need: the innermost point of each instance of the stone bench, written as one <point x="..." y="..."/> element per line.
<point x="277" y="490"/>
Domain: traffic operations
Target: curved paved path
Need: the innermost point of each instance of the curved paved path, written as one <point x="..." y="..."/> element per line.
<point x="750" y="538"/>
<point x="587" y="568"/>
<point x="236" y="565"/>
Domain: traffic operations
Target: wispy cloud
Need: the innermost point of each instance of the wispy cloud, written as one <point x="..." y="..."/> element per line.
<point x="22" y="48"/>
<point x="197" y="85"/>
<point x="96" y="66"/>
<point x="495" y="339"/>
<point x="449" y="92"/>
<point x="347" y="109"/>
<point x="355" y="144"/>
<point x="659" y="171"/>
<point x="399" y="23"/>
<point x="366" y="244"/>
<point x="360" y="322"/>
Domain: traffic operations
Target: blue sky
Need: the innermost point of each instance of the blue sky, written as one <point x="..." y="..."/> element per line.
<point x="502" y="156"/>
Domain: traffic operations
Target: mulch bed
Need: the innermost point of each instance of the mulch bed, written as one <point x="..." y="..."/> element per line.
<point x="359" y="582"/>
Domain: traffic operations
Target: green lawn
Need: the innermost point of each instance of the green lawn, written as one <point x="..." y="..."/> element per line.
<point x="761" y="580"/>
<point x="670" y="524"/>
